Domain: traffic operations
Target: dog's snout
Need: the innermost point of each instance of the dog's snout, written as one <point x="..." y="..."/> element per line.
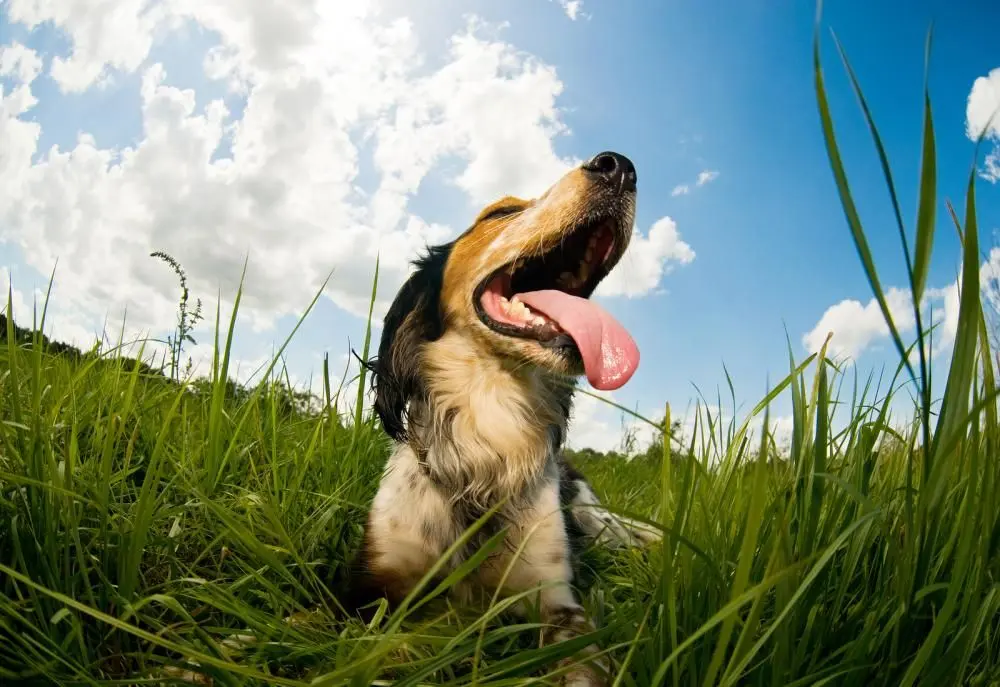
<point x="616" y="169"/>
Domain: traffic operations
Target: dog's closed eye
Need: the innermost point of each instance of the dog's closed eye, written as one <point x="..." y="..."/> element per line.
<point x="503" y="211"/>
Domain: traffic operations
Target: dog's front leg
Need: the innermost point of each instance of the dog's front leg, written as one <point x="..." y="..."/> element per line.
<point x="409" y="526"/>
<point x="539" y="539"/>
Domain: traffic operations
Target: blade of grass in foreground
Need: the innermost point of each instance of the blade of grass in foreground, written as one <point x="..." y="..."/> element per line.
<point x="955" y="403"/>
<point x="360" y="402"/>
<point x="19" y="430"/>
<point x="219" y="388"/>
<point x="669" y="547"/>
<point x="745" y="560"/>
<point x="926" y="210"/>
<point x="847" y="200"/>
<point x="188" y="652"/>
<point x="954" y="407"/>
<point x="940" y="537"/>
<point x="149" y="495"/>
<point x="814" y="572"/>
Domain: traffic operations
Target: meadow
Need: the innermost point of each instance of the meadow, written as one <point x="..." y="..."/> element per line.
<point x="155" y="528"/>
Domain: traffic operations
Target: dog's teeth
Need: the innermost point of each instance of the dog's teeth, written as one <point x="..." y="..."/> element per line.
<point x="583" y="272"/>
<point x="518" y="309"/>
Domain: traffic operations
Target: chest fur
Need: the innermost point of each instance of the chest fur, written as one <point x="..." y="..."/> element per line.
<point x="486" y="431"/>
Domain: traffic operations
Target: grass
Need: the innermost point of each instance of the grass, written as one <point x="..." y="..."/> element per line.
<point x="145" y="522"/>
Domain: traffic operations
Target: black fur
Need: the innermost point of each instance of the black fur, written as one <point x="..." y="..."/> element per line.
<point x="570" y="480"/>
<point x="414" y="317"/>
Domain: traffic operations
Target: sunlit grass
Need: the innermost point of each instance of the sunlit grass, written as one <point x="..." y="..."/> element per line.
<point x="146" y="526"/>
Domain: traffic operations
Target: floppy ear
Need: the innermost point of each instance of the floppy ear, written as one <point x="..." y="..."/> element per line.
<point x="414" y="317"/>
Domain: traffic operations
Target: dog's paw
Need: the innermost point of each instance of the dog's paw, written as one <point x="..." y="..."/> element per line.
<point x="624" y="533"/>
<point x="641" y="533"/>
<point x="583" y="675"/>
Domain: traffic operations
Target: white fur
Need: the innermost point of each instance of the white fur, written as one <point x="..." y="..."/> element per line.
<point x="606" y="528"/>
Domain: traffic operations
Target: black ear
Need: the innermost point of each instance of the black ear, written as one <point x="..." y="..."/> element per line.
<point x="414" y="317"/>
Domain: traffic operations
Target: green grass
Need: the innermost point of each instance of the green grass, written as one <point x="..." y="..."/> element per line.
<point x="143" y="523"/>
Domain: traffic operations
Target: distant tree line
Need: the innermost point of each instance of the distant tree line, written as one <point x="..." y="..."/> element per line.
<point x="290" y="401"/>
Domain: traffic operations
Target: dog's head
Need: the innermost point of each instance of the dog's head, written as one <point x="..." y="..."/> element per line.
<point x="517" y="283"/>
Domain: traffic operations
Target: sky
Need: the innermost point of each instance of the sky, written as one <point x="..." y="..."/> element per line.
<point x="308" y="138"/>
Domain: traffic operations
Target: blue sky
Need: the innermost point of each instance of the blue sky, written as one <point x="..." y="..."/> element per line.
<point x="326" y="170"/>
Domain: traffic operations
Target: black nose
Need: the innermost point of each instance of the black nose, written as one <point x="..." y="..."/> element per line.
<point x="616" y="169"/>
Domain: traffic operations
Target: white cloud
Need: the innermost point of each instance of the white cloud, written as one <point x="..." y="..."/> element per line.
<point x="704" y="177"/>
<point x="647" y="259"/>
<point x="572" y="8"/>
<point x="19" y="62"/>
<point x="502" y="127"/>
<point x="599" y="426"/>
<point x="982" y="115"/>
<point x="781" y="429"/>
<point x="982" y="112"/>
<point x="989" y="278"/>
<point x="707" y="176"/>
<point x="991" y="168"/>
<point x="105" y="34"/>
<point x="944" y="304"/>
<point x="856" y="326"/>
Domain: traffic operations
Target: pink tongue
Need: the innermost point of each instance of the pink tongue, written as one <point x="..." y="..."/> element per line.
<point x="609" y="354"/>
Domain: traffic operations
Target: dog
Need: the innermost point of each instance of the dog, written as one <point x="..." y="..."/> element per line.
<point x="474" y="381"/>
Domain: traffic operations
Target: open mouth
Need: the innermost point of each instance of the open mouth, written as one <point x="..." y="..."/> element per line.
<point x="546" y="299"/>
<point x="575" y="267"/>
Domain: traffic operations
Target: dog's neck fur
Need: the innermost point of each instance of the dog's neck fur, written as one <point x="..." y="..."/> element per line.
<point x="487" y="428"/>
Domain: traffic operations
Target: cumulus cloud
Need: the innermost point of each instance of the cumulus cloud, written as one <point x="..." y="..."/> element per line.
<point x="680" y="190"/>
<point x="982" y="116"/>
<point x="19" y="62"/>
<point x="982" y="112"/>
<point x="646" y="260"/>
<point x="278" y="185"/>
<point x="856" y="327"/>
<point x="104" y="34"/>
